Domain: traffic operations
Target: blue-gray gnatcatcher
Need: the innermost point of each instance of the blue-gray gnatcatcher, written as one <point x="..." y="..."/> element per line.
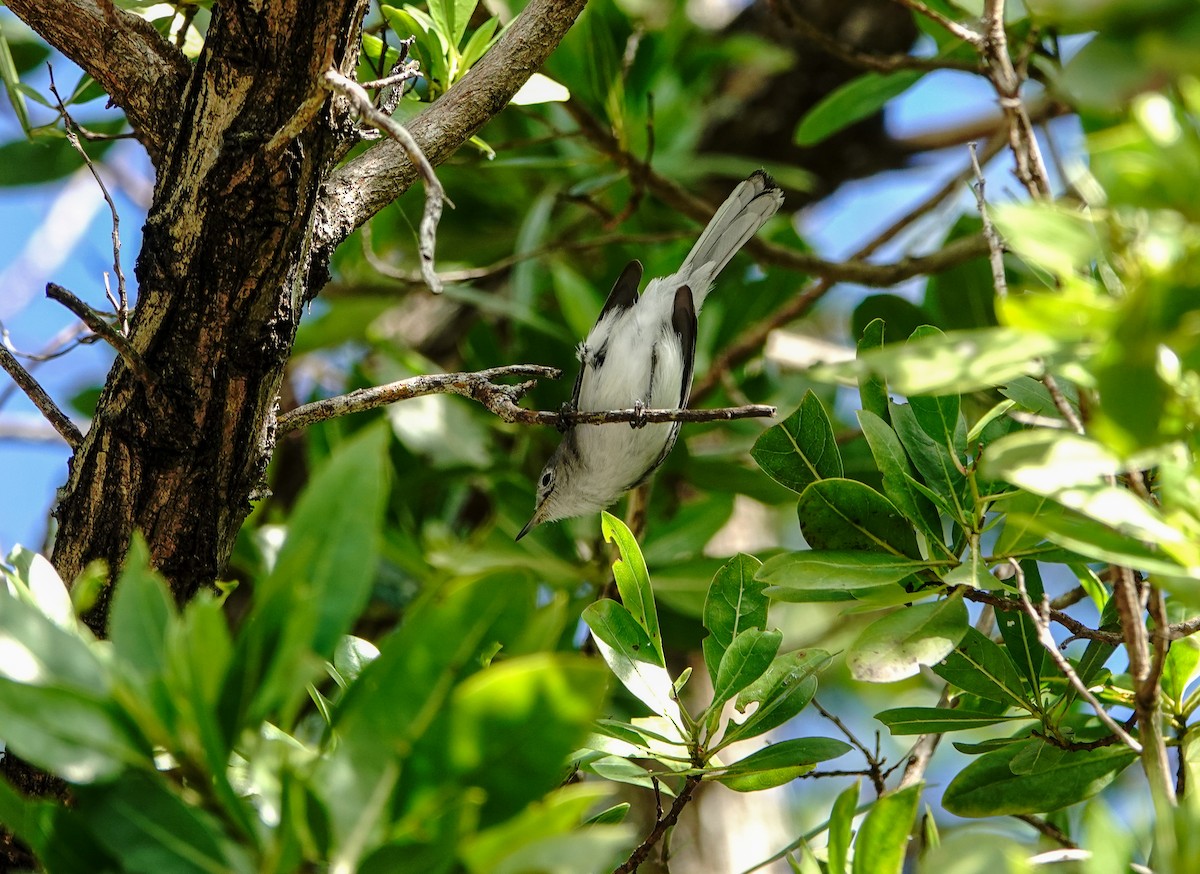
<point x="639" y="355"/>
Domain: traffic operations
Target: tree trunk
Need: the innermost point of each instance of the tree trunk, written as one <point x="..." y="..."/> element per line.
<point x="247" y="210"/>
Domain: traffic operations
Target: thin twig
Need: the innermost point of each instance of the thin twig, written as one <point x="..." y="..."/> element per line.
<point x="963" y="32"/>
<point x="500" y="400"/>
<point x="866" y="60"/>
<point x="435" y="195"/>
<point x="1041" y="622"/>
<point x="1062" y="404"/>
<point x="995" y="245"/>
<point x="873" y="762"/>
<point x="40" y="399"/>
<point x="661" y="825"/>
<point x="1049" y="830"/>
<point x="107" y="332"/>
<point x="121" y="302"/>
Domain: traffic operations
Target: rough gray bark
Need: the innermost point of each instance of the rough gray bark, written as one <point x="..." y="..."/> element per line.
<point x="247" y="209"/>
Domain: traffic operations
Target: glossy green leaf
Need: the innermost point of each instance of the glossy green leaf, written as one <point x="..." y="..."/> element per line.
<point x="780" y="763"/>
<point x="630" y="655"/>
<point x="1096" y="540"/>
<point x="451" y="18"/>
<point x="1057" y="238"/>
<point x="988" y="786"/>
<point x="144" y="823"/>
<point x="801" y="449"/>
<point x="841" y="822"/>
<point x="540" y="89"/>
<point x="897" y="645"/>
<point x="832" y="575"/>
<point x="936" y="720"/>
<point x="1021" y="635"/>
<point x="786" y="688"/>
<point x="735" y="603"/>
<point x="857" y="99"/>
<point x="882" y="841"/>
<point x="511" y="724"/>
<point x="633" y="580"/>
<point x="843" y="514"/>
<point x="982" y="667"/>
<point x="872" y="389"/>
<point x="939" y="467"/>
<point x="141" y="611"/>
<point x="321" y="579"/>
<point x="898" y="474"/>
<point x="746" y="659"/>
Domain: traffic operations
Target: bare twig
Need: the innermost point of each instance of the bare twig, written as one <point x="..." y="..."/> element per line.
<point x="866" y="60"/>
<point x="995" y="245"/>
<point x="107" y="332"/>
<point x="435" y="195"/>
<point x="1048" y="829"/>
<point x="661" y="825"/>
<point x="964" y="33"/>
<point x="121" y="301"/>
<point x="41" y="400"/>
<point x="874" y="763"/>
<point x="1041" y="622"/>
<point x="918" y="758"/>
<point x="1062" y="404"/>
<point x="499" y="399"/>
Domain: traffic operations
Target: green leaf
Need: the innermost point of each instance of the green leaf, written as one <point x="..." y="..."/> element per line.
<point x="1020" y="634"/>
<point x="152" y="830"/>
<point x="633" y="580"/>
<point x="30" y="819"/>
<point x="321" y="579"/>
<point x="735" y="602"/>
<point x="898" y="474"/>
<point x="988" y="786"/>
<point x="1183" y="658"/>
<point x="780" y="763"/>
<point x="883" y="837"/>
<point x="451" y="18"/>
<point x="12" y="80"/>
<point x="941" y="470"/>
<point x="30" y="162"/>
<point x="955" y="362"/>
<point x="844" y="514"/>
<point x="780" y="693"/>
<point x="857" y="99"/>
<point x="936" y="720"/>
<point x="744" y="661"/>
<point x="1089" y="537"/>
<point x="873" y="390"/>
<point x="479" y="43"/>
<point x="897" y="645"/>
<point x="831" y="575"/>
<point x="979" y="666"/>
<point x="630" y="655"/>
<point x="841" y="822"/>
<point x="141" y="613"/>
<point x="76" y="734"/>
<point x="1057" y="238"/>
<point x="1069" y="468"/>
<point x="801" y="449"/>
<point x="511" y="725"/>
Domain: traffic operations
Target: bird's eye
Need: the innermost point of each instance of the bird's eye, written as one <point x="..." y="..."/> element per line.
<point x="547" y="478"/>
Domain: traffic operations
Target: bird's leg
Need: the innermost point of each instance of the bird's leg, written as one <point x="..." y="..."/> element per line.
<point x="639" y="414"/>
<point x="565" y="412"/>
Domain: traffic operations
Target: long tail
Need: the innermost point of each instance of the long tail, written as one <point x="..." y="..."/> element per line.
<point x="741" y="215"/>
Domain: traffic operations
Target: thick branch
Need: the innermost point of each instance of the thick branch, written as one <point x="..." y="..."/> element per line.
<point x="41" y="400"/>
<point x="499" y="399"/>
<point x="142" y="72"/>
<point x="370" y="182"/>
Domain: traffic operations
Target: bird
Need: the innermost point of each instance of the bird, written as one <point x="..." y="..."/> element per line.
<point x="639" y="355"/>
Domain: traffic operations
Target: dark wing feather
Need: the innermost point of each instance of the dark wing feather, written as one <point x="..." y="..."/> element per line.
<point x="624" y="294"/>
<point x="683" y="320"/>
